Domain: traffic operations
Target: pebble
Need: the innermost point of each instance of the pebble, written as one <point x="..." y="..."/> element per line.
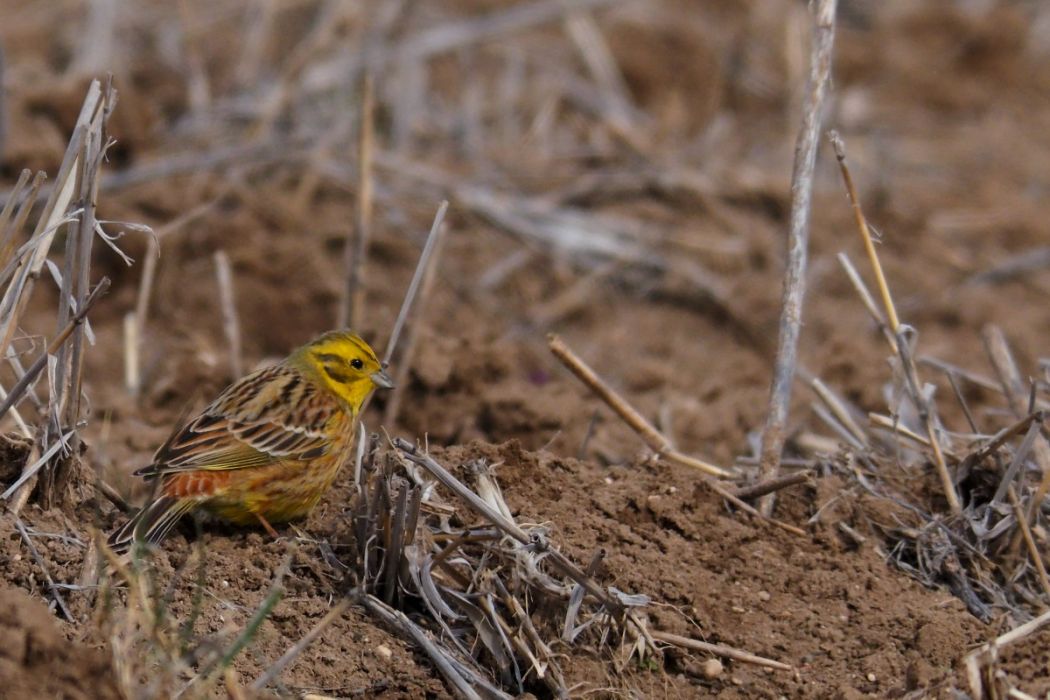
<point x="384" y="652"/>
<point x="712" y="669"/>
<point x="764" y="596"/>
<point x="871" y="677"/>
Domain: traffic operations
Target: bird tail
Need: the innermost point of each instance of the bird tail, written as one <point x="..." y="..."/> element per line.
<point x="152" y="523"/>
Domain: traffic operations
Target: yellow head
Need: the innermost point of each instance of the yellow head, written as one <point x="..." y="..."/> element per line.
<point x="345" y="365"/>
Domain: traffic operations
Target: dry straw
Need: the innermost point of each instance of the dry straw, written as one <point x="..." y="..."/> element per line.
<point x="491" y="587"/>
<point x="71" y="203"/>
<point x="773" y="436"/>
<point x="980" y="537"/>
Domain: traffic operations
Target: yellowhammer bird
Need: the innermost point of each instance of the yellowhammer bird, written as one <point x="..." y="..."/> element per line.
<point x="268" y="448"/>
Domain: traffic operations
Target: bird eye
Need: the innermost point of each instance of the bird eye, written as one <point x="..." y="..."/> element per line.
<point x="356" y="363"/>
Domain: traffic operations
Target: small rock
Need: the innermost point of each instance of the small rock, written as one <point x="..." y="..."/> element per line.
<point x="384" y="652"/>
<point x="871" y="677"/>
<point x="764" y="596"/>
<point x="712" y="669"/>
<point x="735" y="681"/>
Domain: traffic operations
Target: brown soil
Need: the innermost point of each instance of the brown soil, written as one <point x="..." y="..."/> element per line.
<point x="37" y="661"/>
<point x="944" y="112"/>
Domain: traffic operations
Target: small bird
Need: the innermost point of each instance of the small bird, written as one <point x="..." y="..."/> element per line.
<point x="268" y="447"/>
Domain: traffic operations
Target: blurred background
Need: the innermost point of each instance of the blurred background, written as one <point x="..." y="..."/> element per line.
<point x="618" y="171"/>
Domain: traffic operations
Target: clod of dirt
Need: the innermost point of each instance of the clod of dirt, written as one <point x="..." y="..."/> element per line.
<point x="36" y="661"/>
<point x="712" y="669"/>
<point x="13" y="452"/>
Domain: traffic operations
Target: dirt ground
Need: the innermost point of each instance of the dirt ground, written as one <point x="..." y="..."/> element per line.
<point x="944" y="109"/>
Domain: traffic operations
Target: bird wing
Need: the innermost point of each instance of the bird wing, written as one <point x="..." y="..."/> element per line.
<point x="269" y="416"/>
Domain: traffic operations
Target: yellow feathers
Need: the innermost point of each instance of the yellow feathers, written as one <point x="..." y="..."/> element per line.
<point x="269" y="446"/>
<point x="345" y="365"/>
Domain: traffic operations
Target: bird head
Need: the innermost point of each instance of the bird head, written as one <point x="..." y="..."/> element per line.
<point x="345" y="365"/>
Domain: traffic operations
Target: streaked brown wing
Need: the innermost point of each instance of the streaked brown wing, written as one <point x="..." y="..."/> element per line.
<point x="268" y="416"/>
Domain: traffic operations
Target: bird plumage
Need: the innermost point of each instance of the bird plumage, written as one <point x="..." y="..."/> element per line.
<point x="268" y="447"/>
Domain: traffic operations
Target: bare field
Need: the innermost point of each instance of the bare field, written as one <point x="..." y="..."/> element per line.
<point x="618" y="173"/>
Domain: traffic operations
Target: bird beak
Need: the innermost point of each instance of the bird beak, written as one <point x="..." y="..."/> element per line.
<point x="382" y="380"/>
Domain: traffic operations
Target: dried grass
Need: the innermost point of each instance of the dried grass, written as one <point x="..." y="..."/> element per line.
<point x="156" y="655"/>
<point x="495" y="604"/>
<point x="982" y="531"/>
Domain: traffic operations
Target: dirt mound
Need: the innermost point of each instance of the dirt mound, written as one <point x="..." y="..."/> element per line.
<point x="848" y="622"/>
<point x="37" y="661"/>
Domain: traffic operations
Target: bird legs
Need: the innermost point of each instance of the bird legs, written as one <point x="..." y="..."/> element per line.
<point x="269" y="528"/>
